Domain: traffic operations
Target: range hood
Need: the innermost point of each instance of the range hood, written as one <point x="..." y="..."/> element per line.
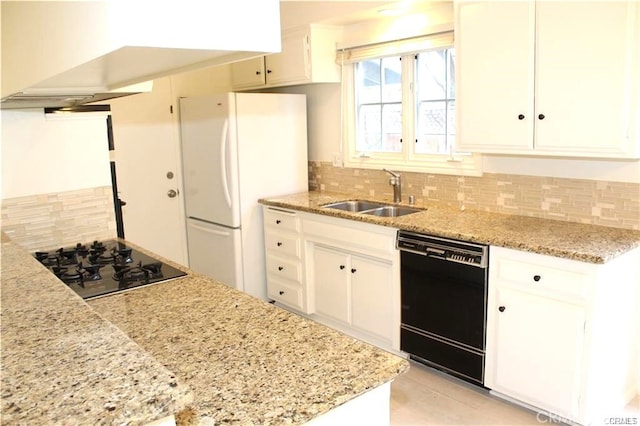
<point x="68" y="53"/>
<point x="67" y="98"/>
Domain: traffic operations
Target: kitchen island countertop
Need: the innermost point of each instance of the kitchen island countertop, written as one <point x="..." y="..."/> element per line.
<point x="190" y="346"/>
<point x="570" y="240"/>
<point x="248" y="361"/>
<point x="62" y="363"/>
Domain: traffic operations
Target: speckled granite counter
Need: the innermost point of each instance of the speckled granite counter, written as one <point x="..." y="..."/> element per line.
<point x="583" y="242"/>
<point x="247" y="361"/>
<point x="62" y="363"/>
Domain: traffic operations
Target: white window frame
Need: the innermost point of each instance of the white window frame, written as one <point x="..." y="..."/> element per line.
<point x="453" y="163"/>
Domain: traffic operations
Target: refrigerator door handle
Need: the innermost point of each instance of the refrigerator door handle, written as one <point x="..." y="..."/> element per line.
<point x="223" y="161"/>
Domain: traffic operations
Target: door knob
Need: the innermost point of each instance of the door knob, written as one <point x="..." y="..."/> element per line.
<point x="171" y="193"/>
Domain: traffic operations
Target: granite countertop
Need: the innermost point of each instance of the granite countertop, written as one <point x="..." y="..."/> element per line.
<point x="62" y="363"/>
<point x="582" y="242"/>
<point x="248" y="361"/>
<point x="191" y="346"/>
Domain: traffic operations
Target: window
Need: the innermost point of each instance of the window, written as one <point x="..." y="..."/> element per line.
<point x="399" y="107"/>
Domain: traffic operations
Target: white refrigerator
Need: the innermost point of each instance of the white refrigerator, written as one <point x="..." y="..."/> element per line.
<point x="237" y="148"/>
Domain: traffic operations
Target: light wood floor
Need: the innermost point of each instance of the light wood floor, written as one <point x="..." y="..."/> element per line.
<point x="424" y="396"/>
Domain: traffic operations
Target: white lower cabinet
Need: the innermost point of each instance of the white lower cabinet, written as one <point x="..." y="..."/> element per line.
<point x="340" y="272"/>
<point x="562" y="334"/>
<point x="353" y="272"/>
<point x="538" y="350"/>
<point x="285" y="259"/>
<point x="331" y="283"/>
<point x="354" y="290"/>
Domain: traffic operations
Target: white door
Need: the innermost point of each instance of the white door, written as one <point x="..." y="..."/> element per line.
<point x="372" y="296"/>
<point x="147" y="168"/>
<point x="215" y="251"/>
<point x="331" y="283"/>
<point x="495" y="75"/>
<point x="539" y="348"/>
<point x="210" y="160"/>
<point x="589" y="113"/>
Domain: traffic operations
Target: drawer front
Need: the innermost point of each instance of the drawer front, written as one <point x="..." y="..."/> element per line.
<point x="549" y="277"/>
<point x="289" y="295"/>
<point x="281" y="219"/>
<point x="279" y="267"/>
<point x="283" y="244"/>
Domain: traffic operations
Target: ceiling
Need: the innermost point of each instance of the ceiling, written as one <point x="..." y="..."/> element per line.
<point x="294" y="13"/>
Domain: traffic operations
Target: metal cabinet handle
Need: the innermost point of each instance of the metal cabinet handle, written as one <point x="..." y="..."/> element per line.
<point x="280" y="268"/>
<point x="502" y="308"/>
<point x="541" y="116"/>
<point x="278" y="221"/>
<point x="341" y="267"/>
<point x="536" y="278"/>
<point x="278" y="243"/>
<point x="171" y="193"/>
<point x="281" y="292"/>
<point x="353" y="270"/>
<point x="521" y="117"/>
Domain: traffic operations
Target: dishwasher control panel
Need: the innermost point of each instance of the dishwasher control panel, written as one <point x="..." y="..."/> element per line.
<point x="442" y="248"/>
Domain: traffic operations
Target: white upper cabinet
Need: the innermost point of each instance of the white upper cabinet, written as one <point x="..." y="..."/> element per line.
<point x="548" y="77"/>
<point x="308" y="56"/>
<point x="89" y="46"/>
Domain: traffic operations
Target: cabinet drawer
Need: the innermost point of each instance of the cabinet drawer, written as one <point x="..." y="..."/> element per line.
<point x="281" y="219"/>
<point x="556" y="277"/>
<point x="289" y="295"/>
<point x="284" y="268"/>
<point x="283" y="244"/>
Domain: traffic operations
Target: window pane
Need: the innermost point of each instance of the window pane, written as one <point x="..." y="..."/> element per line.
<point x="451" y="74"/>
<point x="379" y="105"/>
<point x="391" y="73"/>
<point x="435" y="121"/>
<point x="432" y="128"/>
<point x="368" y="81"/>
<point x="391" y="128"/>
<point x="451" y="123"/>
<point x="369" y="128"/>
<point x="432" y="75"/>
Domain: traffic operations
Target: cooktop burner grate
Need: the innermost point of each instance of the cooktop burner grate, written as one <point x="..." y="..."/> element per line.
<point x="105" y="267"/>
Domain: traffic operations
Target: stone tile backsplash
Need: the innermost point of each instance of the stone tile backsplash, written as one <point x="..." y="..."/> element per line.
<point x="615" y="204"/>
<point x="47" y="221"/>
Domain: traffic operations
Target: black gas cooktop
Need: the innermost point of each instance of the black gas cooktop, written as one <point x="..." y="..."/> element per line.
<point x="105" y="267"/>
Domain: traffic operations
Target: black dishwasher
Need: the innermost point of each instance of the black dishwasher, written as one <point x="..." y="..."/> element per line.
<point x="444" y="303"/>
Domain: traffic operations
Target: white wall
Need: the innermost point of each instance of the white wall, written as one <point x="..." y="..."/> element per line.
<point x="41" y="156"/>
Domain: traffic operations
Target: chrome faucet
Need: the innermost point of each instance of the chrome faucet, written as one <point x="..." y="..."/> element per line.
<point x="397" y="185"/>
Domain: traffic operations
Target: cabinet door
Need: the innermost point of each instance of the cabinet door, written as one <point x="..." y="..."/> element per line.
<point x="292" y="64"/>
<point x="494" y="75"/>
<point x="330" y="276"/>
<point x="372" y="296"/>
<point x="538" y="350"/>
<point x="584" y="76"/>
<point x="249" y="73"/>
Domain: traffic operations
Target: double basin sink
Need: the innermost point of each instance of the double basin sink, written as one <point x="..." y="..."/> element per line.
<point x="372" y="208"/>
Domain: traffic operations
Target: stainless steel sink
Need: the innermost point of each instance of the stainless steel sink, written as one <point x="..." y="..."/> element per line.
<point x="391" y="211"/>
<point x="372" y="208"/>
<point x="354" y="205"/>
